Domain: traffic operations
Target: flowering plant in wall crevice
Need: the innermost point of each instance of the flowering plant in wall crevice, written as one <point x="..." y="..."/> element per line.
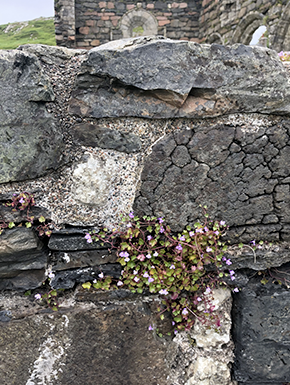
<point x="174" y="266"/>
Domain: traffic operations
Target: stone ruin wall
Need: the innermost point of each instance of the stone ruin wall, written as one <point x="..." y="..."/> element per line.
<point x="93" y="134"/>
<point x="85" y="24"/>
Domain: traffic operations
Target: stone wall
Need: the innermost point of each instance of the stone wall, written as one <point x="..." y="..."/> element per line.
<point x="100" y="22"/>
<point x="85" y="24"/>
<point x="159" y="126"/>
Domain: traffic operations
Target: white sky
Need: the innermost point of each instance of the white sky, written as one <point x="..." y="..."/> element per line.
<point x="23" y="10"/>
<point x="256" y="35"/>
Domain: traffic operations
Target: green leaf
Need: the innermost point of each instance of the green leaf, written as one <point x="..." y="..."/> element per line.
<point x="11" y="224"/>
<point x="27" y="293"/>
<point x="87" y="285"/>
<point x="264" y="281"/>
<point x="54" y="308"/>
<point x="241" y="245"/>
<point x="53" y="293"/>
<point x="162" y="317"/>
<point x="41" y="219"/>
<point x="28" y="225"/>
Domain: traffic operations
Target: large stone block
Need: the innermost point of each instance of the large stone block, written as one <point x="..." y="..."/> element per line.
<point x="30" y="144"/>
<point x="160" y="78"/>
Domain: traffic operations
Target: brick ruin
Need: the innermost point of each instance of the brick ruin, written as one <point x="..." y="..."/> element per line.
<point x="89" y="23"/>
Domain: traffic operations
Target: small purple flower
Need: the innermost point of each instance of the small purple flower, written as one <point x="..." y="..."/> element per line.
<point x="21" y="200"/>
<point x="175" y="332"/>
<point x="206" y="229"/>
<point x="51" y="275"/>
<point x="101" y="275"/>
<point x="150" y="279"/>
<point x="172" y="267"/>
<point x="120" y="283"/>
<point x="198" y="299"/>
<point x="155" y="254"/>
<point x="95" y="281"/>
<point x="152" y="267"/>
<point x="191" y="233"/>
<point x="129" y="224"/>
<point x="224" y="259"/>
<point x="228" y="262"/>
<point x="150" y="328"/>
<point x="179" y="247"/>
<point x="173" y="323"/>
<point x="216" y="232"/>
<point x="160" y="219"/>
<point x="135" y="272"/>
<point x="222" y="223"/>
<point x="124" y="254"/>
<point x="146" y="275"/>
<point x="88" y="238"/>
<point x="207" y="290"/>
<point x="136" y="279"/>
<point x="163" y="292"/>
<point x="131" y="215"/>
<point x="280" y="54"/>
<point x="236" y="290"/>
<point x="149" y="237"/>
<point x="37" y="296"/>
<point x="182" y="238"/>
<point x="161" y="230"/>
<point x="184" y="311"/>
<point x="127" y="259"/>
<point x="233" y="277"/>
<point x="253" y="242"/>
<point x="148" y="256"/>
<point x="199" y="231"/>
<point x="208" y="249"/>
<point x="231" y="272"/>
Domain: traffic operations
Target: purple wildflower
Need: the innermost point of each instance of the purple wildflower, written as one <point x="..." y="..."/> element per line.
<point x="163" y="292"/>
<point x="37" y="296"/>
<point x="205" y="229"/>
<point x="150" y="328"/>
<point x="233" y="277"/>
<point x="175" y="332"/>
<point x="172" y="267"/>
<point x="135" y="272"/>
<point x="191" y="233"/>
<point x="148" y="256"/>
<point x="182" y="238"/>
<point x="161" y="229"/>
<point x="101" y="275"/>
<point x="208" y="249"/>
<point x="179" y="247"/>
<point x="198" y="299"/>
<point x="146" y="275"/>
<point x="207" y="290"/>
<point x="173" y="323"/>
<point x="124" y="254"/>
<point x="222" y="223"/>
<point x="224" y="259"/>
<point x="184" y="311"/>
<point x="236" y="290"/>
<point x="21" y="200"/>
<point x="127" y="259"/>
<point x="136" y="279"/>
<point x="228" y="262"/>
<point x="131" y="215"/>
<point x="199" y="231"/>
<point x="120" y="283"/>
<point x="150" y="279"/>
<point x="231" y="272"/>
<point x="149" y="237"/>
<point x="160" y="219"/>
<point x="88" y="238"/>
<point x="155" y="254"/>
<point x="51" y="275"/>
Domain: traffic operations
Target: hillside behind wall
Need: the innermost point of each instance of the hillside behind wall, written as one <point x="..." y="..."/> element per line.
<point x="157" y="126"/>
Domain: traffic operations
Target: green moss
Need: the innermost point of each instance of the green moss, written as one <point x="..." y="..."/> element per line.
<point x="38" y="31"/>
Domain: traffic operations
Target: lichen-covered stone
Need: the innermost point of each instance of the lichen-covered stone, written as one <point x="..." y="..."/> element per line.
<point x="153" y="77"/>
<point x="30" y="144"/>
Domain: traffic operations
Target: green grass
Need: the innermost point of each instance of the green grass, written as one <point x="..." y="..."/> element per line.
<point x="38" y="31"/>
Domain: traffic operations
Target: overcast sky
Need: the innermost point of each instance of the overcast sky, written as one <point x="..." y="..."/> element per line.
<point x="23" y="10"/>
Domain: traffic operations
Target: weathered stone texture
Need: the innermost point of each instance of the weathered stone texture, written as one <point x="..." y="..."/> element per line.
<point x="179" y="79"/>
<point x="30" y="144"/>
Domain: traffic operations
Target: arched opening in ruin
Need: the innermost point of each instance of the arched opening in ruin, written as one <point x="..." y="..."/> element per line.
<point x="246" y="28"/>
<point x="138" y="23"/>
<point x="281" y="38"/>
<point x="260" y="37"/>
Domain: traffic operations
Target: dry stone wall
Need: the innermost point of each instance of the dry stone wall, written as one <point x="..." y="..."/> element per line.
<point x="157" y="126"/>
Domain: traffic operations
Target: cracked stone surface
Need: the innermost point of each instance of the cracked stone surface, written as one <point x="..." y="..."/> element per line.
<point x="241" y="173"/>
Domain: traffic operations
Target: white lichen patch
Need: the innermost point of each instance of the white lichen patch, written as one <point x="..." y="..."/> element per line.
<point x="52" y="353"/>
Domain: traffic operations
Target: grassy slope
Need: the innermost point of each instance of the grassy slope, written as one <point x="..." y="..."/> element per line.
<point x="38" y="31"/>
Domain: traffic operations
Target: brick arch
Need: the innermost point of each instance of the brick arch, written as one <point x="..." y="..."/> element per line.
<point x="138" y="18"/>
<point x="247" y="26"/>
<point x="281" y="35"/>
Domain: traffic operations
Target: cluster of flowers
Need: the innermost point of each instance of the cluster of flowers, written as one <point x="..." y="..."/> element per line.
<point x="174" y="267"/>
<point x="284" y="56"/>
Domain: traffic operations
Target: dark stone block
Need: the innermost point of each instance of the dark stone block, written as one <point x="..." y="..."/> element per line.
<point x="71" y="242"/>
<point x="95" y="136"/>
<point x="261" y="332"/>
